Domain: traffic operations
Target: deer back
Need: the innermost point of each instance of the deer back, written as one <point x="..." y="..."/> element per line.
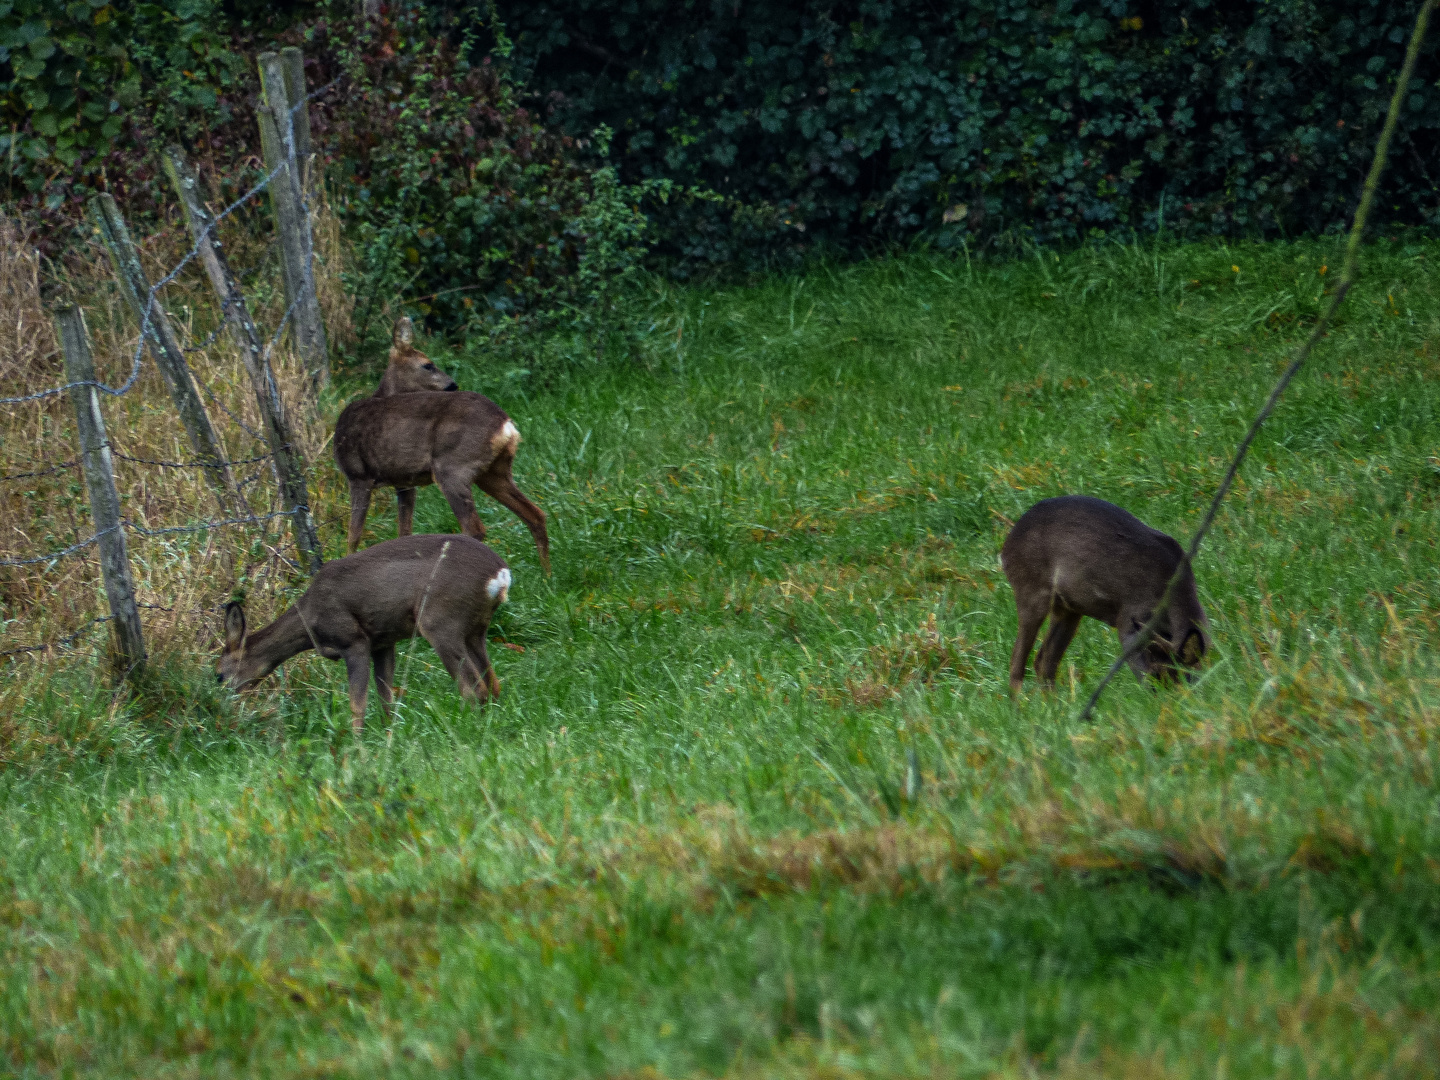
<point x="404" y="439"/>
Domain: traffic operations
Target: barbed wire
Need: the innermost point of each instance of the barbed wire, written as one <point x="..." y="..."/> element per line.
<point x="215" y="400"/>
<point x="60" y="643"/>
<point x="116" y="452"/>
<point x="210" y="337"/>
<point x="226" y="302"/>
<point x="205" y="526"/>
<point x="62" y="467"/>
<point x="141" y="530"/>
<point x="154" y="291"/>
<point x="284" y="319"/>
<point x="69" y="639"/>
<point x="56" y="556"/>
<point x="189" y="464"/>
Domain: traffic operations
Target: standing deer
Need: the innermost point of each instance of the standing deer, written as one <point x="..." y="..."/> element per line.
<point x="445" y="588"/>
<point x="1075" y="556"/>
<point x="420" y="428"/>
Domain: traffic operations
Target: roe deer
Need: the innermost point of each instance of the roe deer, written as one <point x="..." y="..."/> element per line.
<point x="444" y="588"/>
<point x="1075" y="556"/>
<point x="420" y="429"/>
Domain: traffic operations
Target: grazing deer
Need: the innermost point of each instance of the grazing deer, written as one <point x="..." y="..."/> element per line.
<point x="419" y="429"/>
<point x="357" y="609"/>
<point x="1076" y="556"/>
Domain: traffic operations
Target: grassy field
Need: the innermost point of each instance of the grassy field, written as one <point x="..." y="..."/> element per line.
<point x="754" y="801"/>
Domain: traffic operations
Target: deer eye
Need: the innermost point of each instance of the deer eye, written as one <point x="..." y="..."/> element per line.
<point x="429" y="367"/>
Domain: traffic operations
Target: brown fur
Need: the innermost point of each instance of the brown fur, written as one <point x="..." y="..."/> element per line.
<point x="1075" y="556"/>
<point x="358" y="608"/>
<point x="409" y="435"/>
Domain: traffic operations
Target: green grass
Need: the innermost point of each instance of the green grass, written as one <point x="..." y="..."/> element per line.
<point x="680" y="844"/>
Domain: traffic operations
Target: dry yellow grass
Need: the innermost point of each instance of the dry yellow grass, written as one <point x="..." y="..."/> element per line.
<point x="174" y="574"/>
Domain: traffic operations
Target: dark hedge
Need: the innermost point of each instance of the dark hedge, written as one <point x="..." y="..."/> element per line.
<point x="872" y="122"/>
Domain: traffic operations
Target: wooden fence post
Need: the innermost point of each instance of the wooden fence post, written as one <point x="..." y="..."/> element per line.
<point x="165" y="348"/>
<point x="292" y="222"/>
<point x="104" y="501"/>
<point x="292" y="60"/>
<point x="288" y="461"/>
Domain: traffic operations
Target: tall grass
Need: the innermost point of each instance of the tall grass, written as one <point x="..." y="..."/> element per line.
<point x="754" y="800"/>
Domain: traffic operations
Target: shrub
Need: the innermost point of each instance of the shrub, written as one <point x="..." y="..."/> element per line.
<point x="880" y="119"/>
<point x="463" y="204"/>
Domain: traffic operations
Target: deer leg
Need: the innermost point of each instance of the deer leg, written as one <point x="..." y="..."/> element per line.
<point x="405" y="511"/>
<point x="357" y="666"/>
<point x="499" y="485"/>
<point x="1031" y="616"/>
<point x="481" y="658"/>
<point x="1063" y="625"/>
<point x="462" y="668"/>
<point x="457" y="487"/>
<point x="359" y="506"/>
<point x="384" y="661"/>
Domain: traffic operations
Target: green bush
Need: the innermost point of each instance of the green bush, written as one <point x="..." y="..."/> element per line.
<point x="878" y="120"/>
<point x="464" y="205"/>
<point x="86" y="87"/>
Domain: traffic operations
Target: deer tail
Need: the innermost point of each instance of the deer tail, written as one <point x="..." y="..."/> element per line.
<point x="498" y="587"/>
<point x="506" y="439"/>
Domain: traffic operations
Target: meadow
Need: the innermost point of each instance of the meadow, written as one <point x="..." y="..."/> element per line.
<point x="754" y="800"/>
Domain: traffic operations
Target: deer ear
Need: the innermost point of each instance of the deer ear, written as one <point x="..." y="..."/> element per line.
<point x="404" y="330"/>
<point x="234" y="626"/>
<point x="1192" y="649"/>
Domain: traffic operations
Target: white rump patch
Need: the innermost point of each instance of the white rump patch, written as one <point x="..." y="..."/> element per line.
<point x="498" y="587"/>
<point x="507" y="437"/>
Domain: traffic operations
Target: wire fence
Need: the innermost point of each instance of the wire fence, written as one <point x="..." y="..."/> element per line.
<point x="278" y="453"/>
<point x="152" y="299"/>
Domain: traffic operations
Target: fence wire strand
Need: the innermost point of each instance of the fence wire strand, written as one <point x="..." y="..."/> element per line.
<point x="141" y="530"/>
<point x="62" y="467"/>
<point x="60" y="643"/>
<point x="151" y="299"/>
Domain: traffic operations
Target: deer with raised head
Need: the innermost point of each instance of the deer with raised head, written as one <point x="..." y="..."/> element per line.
<point x="419" y="428"/>
<point x="1074" y="556"/>
<point x="357" y="609"/>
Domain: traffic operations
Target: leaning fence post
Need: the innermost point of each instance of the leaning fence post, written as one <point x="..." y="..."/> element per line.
<point x="165" y="348"/>
<point x="292" y="223"/>
<point x="288" y="461"/>
<point x="100" y="480"/>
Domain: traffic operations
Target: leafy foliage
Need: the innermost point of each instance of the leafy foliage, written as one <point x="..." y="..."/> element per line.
<point x="877" y="119"/>
<point x="464" y="204"/>
<point x="84" y="86"/>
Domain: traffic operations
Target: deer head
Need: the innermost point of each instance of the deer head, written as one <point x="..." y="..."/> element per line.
<point x="245" y="661"/>
<point x="1162" y="658"/>
<point x="410" y="370"/>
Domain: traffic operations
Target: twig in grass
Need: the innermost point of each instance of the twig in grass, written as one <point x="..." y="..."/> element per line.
<point x="1347" y="278"/>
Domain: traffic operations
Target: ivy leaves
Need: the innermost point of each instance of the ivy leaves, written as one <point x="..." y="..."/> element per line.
<point x="72" y="75"/>
<point x="874" y="119"/>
